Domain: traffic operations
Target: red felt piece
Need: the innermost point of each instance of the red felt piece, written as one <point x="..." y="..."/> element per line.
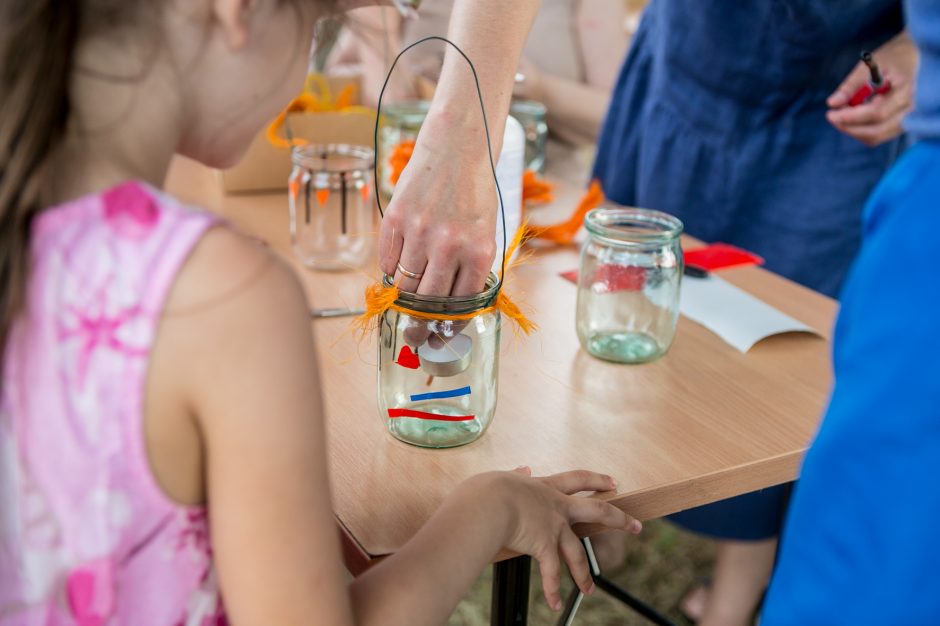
<point x="619" y="278"/>
<point x="423" y="415"/>
<point x="720" y="256"/>
<point x="613" y="278"/>
<point x="571" y="275"/>
<point x="407" y="358"/>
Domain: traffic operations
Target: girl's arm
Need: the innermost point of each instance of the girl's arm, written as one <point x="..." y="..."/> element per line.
<point x="240" y="364"/>
<point x="605" y="30"/>
<point x="575" y="110"/>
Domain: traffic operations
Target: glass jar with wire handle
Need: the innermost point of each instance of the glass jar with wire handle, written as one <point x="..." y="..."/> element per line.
<point x="438" y="356"/>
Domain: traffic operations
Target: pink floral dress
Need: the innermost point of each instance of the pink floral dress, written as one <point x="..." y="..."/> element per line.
<point x="87" y="538"/>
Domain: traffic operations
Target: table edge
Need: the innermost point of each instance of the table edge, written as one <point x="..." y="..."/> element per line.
<point x="643" y="504"/>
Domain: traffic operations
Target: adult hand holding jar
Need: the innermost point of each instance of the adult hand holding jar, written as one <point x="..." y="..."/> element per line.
<point x="438" y="232"/>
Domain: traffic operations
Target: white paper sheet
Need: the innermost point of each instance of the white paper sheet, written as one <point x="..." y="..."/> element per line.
<point x="733" y="314"/>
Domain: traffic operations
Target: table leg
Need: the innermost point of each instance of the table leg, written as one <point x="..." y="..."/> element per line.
<point x="633" y="602"/>
<point x="510" y="605"/>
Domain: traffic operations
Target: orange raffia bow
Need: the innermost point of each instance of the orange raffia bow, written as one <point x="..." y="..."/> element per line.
<point x="564" y="232"/>
<point x="381" y="298"/>
<point x="311" y="101"/>
<point x="536" y="190"/>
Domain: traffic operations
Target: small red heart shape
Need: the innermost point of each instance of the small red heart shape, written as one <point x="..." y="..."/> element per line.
<point x="407" y="358"/>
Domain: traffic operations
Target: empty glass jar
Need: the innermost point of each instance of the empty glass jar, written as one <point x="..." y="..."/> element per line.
<point x="332" y="216"/>
<point x="628" y="284"/>
<point x="531" y="115"/>
<point x="437" y="376"/>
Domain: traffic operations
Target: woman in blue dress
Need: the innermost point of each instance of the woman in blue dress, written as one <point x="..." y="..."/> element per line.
<point x="732" y="116"/>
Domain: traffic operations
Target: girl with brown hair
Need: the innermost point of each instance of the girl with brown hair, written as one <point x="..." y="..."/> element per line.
<point x="162" y="448"/>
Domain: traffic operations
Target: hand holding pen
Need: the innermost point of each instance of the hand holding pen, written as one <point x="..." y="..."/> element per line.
<point x="872" y="101"/>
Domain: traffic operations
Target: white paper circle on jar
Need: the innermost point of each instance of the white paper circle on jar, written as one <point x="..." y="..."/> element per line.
<point x="448" y="360"/>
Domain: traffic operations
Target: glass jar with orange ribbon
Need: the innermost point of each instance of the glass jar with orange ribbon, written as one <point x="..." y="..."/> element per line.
<point x="332" y="211"/>
<point x="438" y="356"/>
<point x="438" y="365"/>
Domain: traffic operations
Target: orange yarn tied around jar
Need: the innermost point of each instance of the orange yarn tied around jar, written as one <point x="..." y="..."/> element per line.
<point x="381" y="298"/>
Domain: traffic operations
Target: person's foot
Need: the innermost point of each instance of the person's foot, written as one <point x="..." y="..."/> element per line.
<point x="694" y="603"/>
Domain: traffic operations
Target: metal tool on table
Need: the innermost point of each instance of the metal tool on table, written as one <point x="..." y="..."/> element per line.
<point x="335" y="312"/>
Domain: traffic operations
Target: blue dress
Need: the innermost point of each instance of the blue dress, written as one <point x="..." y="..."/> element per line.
<point x="860" y="543"/>
<point x="718" y="117"/>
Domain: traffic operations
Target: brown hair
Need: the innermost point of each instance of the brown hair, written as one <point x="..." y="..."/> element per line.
<point x="38" y="41"/>
<point x="37" y="44"/>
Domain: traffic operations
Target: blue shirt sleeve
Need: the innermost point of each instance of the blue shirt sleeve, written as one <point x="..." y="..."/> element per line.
<point x="860" y="544"/>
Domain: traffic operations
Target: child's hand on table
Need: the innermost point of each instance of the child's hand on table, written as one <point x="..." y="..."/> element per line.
<point x="541" y="511"/>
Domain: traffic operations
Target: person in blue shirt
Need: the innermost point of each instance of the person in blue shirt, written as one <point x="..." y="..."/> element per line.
<point x="860" y="543"/>
<point x="732" y="116"/>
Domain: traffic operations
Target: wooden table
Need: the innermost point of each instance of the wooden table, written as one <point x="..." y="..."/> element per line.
<point x="702" y="424"/>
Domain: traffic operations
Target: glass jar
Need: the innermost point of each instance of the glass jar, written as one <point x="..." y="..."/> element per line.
<point x="531" y="115"/>
<point x="400" y="123"/>
<point x="332" y="216"/>
<point x="628" y="284"/>
<point x="437" y="377"/>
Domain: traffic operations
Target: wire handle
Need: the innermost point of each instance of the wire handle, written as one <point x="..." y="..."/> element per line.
<point x="486" y="130"/>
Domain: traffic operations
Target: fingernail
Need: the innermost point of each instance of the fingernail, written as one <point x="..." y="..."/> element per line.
<point x="590" y="590"/>
<point x="557" y="605"/>
<point x="612" y="481"/>
<point x="636" y="527"/>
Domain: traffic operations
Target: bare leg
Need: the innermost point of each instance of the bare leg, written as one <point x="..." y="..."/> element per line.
<point x="610" y="548"/>
<point x="742" y="572"/>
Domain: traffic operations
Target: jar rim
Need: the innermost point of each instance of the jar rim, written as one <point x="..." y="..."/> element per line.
<point x="632" y="226"/>
<point x="532" y="107"/>
<point x="323" y="157"/>
<point x="407" y="107"/>
<point x="449" y="305"/>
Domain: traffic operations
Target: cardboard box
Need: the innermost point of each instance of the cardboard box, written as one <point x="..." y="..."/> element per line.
<point x="267" y="168"/>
